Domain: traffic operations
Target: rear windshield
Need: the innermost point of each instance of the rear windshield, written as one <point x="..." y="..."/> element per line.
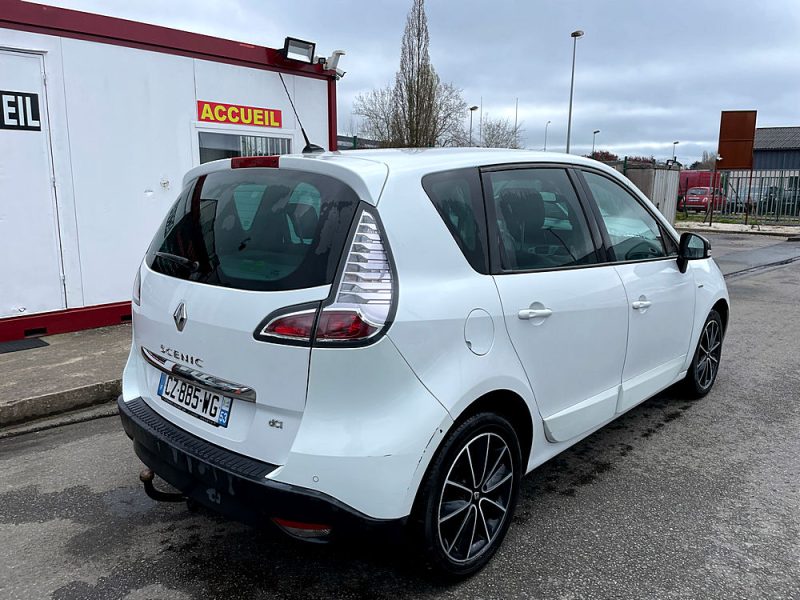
<point x="697" y="191"/>
<point x="256" y="229"/>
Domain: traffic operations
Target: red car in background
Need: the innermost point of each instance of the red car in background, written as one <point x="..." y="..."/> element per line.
<point x="698" y="199"/>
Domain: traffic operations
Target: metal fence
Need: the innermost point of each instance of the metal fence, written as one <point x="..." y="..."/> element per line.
<point x="762" y="196"/>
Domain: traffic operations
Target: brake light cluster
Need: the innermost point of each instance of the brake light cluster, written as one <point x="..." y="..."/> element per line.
<point x="363" y="301"/>
<point x="247" y="162"/>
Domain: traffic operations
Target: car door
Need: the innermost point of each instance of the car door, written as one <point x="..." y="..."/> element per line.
<point x="660" y="297"/>
<point x="566" y="314"/>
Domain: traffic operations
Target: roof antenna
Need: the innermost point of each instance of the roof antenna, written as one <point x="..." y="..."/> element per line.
<point x="310" y="148"/>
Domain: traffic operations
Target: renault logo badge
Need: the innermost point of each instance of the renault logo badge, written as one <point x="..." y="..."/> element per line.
<point x="180" y="316"/>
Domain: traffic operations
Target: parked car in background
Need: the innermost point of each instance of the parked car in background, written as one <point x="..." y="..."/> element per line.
<point x="391" y="339"/>
<point x="698" y="199"/>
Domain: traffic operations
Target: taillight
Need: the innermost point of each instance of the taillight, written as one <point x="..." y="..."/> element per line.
<point x="344" y="325"/>
<point x="365" y="297"/>
<point x="361" y="308"/>
<point x="297" y="326"/>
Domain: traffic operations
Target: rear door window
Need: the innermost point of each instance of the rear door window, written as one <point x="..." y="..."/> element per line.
<point x="540" y="223"/>
<point x="256" y="229"/>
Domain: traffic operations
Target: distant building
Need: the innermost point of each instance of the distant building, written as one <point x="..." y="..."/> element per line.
<point x="777" y="148"/>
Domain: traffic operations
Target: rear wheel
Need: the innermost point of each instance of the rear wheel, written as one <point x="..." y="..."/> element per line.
<point x="705" y="365"/>
<point x="467" y="498"/>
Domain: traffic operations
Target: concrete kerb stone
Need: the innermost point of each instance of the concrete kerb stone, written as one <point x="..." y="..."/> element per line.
<point x="27" y="409"/>
<point x="782" y="232"/>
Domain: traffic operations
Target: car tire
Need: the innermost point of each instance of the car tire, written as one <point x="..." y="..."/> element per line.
<point x="467" y="497"/>
<point x="703" y="371"/>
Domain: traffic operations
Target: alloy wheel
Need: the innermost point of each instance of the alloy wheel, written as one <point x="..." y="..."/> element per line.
<point x="709" y="352"/>
<point x="475" y="498"/>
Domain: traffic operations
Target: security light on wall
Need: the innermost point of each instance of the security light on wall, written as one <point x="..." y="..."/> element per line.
<point x="300" y="50"/>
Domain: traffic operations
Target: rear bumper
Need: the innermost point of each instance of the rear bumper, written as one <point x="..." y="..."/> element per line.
<point x="231" y="484"/>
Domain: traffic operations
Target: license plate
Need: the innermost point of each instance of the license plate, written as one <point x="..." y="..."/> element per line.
<point x="198" y="402"/>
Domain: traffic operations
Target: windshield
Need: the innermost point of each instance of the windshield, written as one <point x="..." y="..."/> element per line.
<point x="698" y="191"/>
<point x="256" y="229"/>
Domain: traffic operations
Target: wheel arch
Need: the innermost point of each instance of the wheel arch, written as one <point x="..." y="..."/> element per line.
<point x="502" y="402"/>
<point x="509" y="405"/>
<point x="721" y="306"/>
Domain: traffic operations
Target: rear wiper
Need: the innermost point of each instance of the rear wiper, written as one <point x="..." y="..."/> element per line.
<point x="192" y="265"/>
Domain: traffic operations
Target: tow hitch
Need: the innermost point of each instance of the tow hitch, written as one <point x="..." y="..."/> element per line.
<point x="146" y="477"/>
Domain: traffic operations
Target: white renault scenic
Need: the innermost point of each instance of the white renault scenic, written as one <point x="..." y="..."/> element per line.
<point x="395" y="337"/>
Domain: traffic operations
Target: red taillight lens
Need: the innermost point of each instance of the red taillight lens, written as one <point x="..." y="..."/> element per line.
<point x="296" y="326"/>
<point x="244" y="162"/>
<point x="343" y="325"/>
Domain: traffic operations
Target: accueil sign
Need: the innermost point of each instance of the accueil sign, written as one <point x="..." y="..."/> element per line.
<point x="236" y="114"/>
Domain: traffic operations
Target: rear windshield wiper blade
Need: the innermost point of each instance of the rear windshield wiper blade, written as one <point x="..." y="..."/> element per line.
<point x="192" y="265"/>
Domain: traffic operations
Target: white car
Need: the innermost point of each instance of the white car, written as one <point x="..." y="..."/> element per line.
<point x="393" y="338"/>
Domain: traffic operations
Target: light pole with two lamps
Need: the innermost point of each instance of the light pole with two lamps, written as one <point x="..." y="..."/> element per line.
<point x="575" y="35"/>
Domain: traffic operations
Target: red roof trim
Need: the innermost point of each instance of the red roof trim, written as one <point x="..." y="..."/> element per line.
<point x="63" y="22"/>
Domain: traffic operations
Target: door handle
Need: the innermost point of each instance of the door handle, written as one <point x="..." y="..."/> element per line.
<point x="640" y="304"/>
<point x="534" y="313"/>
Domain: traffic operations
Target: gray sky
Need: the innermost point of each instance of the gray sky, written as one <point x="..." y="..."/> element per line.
<point x="647" y="74"/>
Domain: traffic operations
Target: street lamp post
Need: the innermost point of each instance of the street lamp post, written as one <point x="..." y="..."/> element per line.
<point x="674" y="155"/>
<point x="472" y="109"/>
<point x="594" y="135"/>
<point x="546" y="125"/>
<point x="575" y="35"/>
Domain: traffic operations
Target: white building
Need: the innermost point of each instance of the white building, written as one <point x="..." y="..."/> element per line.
<point x="99" y="120"/>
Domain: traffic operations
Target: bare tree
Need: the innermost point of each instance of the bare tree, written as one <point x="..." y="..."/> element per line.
<point x="419" y="110"/>
<point x="376" y="108"/>
<point x="500" y="133"/>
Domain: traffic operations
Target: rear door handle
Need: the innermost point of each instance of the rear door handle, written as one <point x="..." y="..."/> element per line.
<point x="534" y="313"/>
<point x="640" y="304"/>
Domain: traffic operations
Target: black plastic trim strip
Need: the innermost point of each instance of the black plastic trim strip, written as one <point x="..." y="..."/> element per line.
<point x="165" y="432"/>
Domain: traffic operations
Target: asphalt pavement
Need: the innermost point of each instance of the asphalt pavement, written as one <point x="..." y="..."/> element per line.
<point x="675" y="499"/>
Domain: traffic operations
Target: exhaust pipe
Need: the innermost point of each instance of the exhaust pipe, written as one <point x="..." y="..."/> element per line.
<point x="146" y="477"/>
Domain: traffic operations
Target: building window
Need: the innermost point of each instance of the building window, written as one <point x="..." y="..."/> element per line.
<point x="214" y="146"/>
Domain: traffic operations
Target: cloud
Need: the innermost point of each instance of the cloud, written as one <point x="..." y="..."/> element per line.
<point x="647" y="73"/>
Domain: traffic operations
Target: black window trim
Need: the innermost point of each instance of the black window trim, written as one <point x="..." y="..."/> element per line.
<point x="495" y="264"/>
<point x="579" y="169"/>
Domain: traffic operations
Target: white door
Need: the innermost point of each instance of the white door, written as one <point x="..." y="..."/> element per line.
<point x="566" y="317"/>
<point x="30" y="269"/>
<point x="660" y="297"/>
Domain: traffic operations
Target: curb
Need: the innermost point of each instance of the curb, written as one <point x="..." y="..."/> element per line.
<point x="27" y="409"/>
<point x="81" y="415"/>
<point x="736" y="231"/>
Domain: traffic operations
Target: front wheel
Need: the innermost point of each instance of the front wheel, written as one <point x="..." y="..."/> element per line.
<point x="467" y="498"/>
<point x="705" y="365"/>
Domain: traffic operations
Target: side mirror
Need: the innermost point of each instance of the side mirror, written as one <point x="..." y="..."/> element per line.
<point x="692" y="247"/>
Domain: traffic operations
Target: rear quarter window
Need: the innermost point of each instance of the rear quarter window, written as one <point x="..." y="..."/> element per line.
<point x="458" y="199"/>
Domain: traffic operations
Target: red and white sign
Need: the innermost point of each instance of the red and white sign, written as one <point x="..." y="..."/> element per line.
<point x="236" y="114"/>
